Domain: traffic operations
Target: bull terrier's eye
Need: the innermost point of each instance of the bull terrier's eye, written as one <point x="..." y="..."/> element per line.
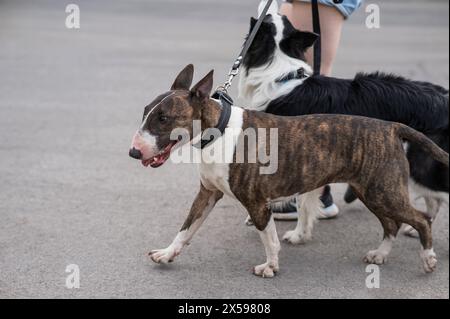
<point x="163" y="118"/>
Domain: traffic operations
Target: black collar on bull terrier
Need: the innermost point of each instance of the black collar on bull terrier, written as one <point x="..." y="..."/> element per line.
<point x="226" y="102"/>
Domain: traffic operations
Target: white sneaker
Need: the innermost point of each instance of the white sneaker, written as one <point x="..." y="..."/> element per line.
<point x="287" y="211"/>
<point x="328" y="212"/>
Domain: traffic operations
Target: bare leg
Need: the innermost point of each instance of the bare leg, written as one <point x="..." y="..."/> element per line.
<point x="271" y="243"/>
<point x="202" y="206"/>
<point x="433" y="207"/>
<point x="331" y="22"/>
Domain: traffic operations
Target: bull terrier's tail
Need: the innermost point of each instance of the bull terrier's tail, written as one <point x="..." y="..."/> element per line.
<point x="415" y="137"/>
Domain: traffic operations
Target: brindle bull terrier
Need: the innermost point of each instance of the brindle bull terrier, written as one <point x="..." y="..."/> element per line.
<point x="368" y="154"/>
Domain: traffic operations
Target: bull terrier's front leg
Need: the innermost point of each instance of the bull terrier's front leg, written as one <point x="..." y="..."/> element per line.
<point x="202" y="206"/>
<point x="271" y="243"/>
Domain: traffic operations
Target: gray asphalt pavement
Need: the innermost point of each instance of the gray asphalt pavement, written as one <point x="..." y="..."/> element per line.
<point x="70" y="101"/>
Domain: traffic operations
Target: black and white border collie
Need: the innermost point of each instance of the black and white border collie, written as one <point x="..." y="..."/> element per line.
<point x="278" y="51"/>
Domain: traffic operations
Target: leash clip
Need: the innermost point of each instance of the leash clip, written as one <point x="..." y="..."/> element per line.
<point x="234" y="71"/>
<point x="251" y="37"/>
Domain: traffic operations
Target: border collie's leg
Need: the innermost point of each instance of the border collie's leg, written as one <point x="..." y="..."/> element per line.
<point x="410" y="232"/>
<point x="202" y="206"/>
<point x="433" y="207"/>
<point x="308" y="206"/>
<point x="272" y="247"/>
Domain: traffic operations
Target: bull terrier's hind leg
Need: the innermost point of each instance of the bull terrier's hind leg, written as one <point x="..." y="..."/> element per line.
<point x="202" y="206"/>
<point x="422" y="224"/>
<point x="397" y="206"/>
<point x="380" y="255"/>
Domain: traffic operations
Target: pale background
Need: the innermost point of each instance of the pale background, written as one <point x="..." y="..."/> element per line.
<point x="70" y="101"/>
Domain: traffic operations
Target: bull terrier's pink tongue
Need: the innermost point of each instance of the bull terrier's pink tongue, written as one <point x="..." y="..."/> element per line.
<point x="159" y="159"/>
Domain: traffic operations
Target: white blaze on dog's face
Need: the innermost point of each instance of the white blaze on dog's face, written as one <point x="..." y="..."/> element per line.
<point x="151" y="143"/>
<point x="170" y="113"/>
<point x="150" y="140"/>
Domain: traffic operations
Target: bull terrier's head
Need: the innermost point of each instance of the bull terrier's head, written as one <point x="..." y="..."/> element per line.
<point x="174" y="110"/>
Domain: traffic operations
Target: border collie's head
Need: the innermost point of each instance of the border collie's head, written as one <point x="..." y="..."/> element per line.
<point x="276" y="33"/>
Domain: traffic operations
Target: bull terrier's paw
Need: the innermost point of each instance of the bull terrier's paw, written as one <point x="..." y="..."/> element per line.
<point x="163" y="256"/>
<point x="249" y="221"/>
<point x="266" y="270"/>
<point x="429" y="260"/>
<point x="295" y="238"/>
<point x="410" y="232"/>
<point x="376" y="257"/>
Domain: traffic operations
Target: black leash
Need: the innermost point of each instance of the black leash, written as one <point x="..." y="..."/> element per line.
<point x="318" y="44"/>
<point x="221" y="92"/>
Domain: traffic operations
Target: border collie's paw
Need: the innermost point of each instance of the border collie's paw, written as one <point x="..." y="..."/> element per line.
<point x="376" y="257"/>
<point x="429" y="260"/>
<point x="163" y="256"/>
<point x="410" y="232"/>
<point x="294" y="238"/>
<point x="266" y="270"/>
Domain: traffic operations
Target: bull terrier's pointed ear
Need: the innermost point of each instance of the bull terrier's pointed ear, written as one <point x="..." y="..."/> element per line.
<point x="184" y="79"/>
<point x="202" y="90"/>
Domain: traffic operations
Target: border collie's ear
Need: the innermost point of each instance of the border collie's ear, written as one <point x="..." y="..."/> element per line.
<point x="184" y="79"/>
<point x="297" y="42"/>
<point x="202" y="90"/>
<point x="307" y="39"/>
<point x="253" y="22"/>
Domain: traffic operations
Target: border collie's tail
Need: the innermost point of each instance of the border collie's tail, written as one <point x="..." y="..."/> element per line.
<point x="415" y="137"/>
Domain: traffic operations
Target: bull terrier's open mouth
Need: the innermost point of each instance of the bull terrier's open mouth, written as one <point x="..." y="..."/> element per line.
<point x="161" y="158"/>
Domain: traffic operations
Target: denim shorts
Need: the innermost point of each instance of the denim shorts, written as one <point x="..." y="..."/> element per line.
<point x="347" y="7"/>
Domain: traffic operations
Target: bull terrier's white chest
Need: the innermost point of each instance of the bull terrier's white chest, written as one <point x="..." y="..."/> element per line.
<point x="216" y="176"/>
<point x="217" y="157"/>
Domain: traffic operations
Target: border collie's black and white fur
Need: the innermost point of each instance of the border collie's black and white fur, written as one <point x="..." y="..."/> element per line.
<point x="279" y="49"/>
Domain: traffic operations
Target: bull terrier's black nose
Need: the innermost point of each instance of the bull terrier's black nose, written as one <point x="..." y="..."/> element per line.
<point x="135" y="153"/>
